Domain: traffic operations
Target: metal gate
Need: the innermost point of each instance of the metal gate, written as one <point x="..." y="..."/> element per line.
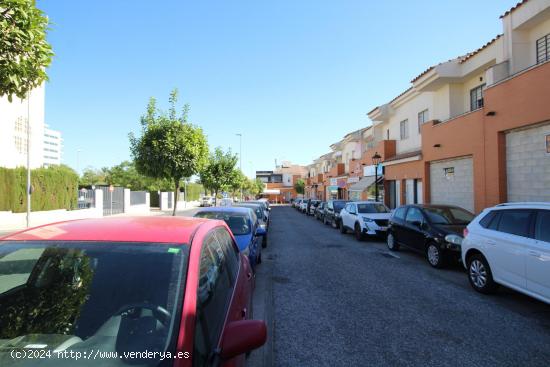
<point x="113" y="202"/>
<point x="170" y="194"/>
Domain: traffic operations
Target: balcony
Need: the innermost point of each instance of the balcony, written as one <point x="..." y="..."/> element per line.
<point x="338" y="170"/>
<point x="385" y="148"/>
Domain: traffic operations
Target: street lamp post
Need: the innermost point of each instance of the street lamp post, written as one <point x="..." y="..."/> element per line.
<point x="78" y="161"/>
<point x="29" y="188"/>
<point x="241" y="158"/>
<point x="376" y="158"/>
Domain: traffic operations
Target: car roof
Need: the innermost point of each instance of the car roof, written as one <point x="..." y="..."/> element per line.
<point x="524" y="205"/>
<point x="435" y="206"/>
<point x="154" y="229"/>
<point x="367" y="202"/>
<point x="247" y="203"/>
<point x="226" y="209"/>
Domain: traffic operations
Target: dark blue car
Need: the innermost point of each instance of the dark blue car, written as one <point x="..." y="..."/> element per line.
<point x="245" y="228"/>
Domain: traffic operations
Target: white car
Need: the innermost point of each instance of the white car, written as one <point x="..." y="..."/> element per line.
<point x="207" y="201"/>
<point x="509" y="244"/>
<point x="225" y="202"/>
<point x="365" y="218"/>
<point x="303" y="205"/>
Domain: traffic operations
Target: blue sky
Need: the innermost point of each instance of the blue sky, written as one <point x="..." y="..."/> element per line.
<point x="293" y="76"/>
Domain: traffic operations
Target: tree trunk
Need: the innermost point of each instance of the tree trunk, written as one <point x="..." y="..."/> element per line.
<point x="176" y="194"/>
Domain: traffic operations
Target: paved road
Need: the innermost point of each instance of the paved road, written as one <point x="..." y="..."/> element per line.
<point x="332" y="301"/>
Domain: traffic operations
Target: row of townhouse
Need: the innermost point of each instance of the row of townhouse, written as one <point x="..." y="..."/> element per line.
<point x="279" y="184"/>
<point x="473" y="131"/>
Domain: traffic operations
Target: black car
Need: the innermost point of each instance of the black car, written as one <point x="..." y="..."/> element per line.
<point x="332" y="212"/>
<point x="320" y="210"/>
<point x="432" y="230"/>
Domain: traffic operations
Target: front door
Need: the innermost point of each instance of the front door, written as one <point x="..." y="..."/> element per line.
<point x="537" y="266"/>
<point x="413" y="236"/>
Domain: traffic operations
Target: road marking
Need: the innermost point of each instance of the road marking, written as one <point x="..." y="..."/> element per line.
<point x="391" y="254"/>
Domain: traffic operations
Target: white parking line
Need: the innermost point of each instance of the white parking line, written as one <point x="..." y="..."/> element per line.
<point x="392" y="254"/>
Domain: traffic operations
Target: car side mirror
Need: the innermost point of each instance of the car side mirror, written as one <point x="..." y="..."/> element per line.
<point x="242" y="336"/>
<point x="260" y="231"/>
<point x="417" y="223"/>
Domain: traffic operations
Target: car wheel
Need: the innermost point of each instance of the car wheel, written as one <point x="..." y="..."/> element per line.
<point x="391" y="242"/>
<point x="358" y="232"/>
<point x="342" y="227"/>
<point x="480" y="275"/>
<point x="434" y="255"/>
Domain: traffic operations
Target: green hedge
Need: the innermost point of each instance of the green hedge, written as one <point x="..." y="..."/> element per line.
<point x="194" y="191"/>
<point x="54" y="188"/>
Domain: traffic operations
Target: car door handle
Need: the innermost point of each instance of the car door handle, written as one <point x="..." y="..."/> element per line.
<point x="534" y="253"/>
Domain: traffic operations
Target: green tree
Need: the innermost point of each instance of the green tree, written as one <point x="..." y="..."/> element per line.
<point x="238" y="182"/>
<point x="24" y="51"/>
<point x="91" y="176"/>
<point x="169" y="146"/>
<point x="256" y="187"/>
<point x="300" y="186"/>
<point x="219" y="173"/>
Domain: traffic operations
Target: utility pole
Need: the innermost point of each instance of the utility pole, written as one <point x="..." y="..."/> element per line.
<point x="28" y="159"/>
<point x="241" y="158"/>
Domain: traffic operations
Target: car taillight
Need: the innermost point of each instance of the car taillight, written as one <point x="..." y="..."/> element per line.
<point x="465" y="232"/>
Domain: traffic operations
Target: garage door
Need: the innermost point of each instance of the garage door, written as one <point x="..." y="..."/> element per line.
<point x="452" y="182"/>
<point x="528" y="164"/>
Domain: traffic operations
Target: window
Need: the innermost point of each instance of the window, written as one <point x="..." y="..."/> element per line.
<point x="448" y="216"/>
<point x="404" y="129"/>
<point x="542" y="226"/>
<point x="515" y="222"/>
<point x="213" y="296"/>
<point x="231" y="252"/>
<point x="414" y="215"/>
<point x="372" y="208"/>
<point x="77" y="288"/>
<point x="543" y="49"/>
<point x="476" y="97"/>
<point x="400" y="213"/>
<point x="486" y="220"/>
<point x="422" y="119"/>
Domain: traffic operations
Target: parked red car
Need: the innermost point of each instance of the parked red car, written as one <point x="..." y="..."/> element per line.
<point x="148" y="291"/>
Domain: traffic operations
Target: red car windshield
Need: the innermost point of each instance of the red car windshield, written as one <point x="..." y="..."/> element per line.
<point x="85" y="296"/>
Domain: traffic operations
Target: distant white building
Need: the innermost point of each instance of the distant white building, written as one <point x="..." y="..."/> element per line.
<point x="45" y="144"/>
<point x="13" y="130"/>
<point x="53" y="147"/>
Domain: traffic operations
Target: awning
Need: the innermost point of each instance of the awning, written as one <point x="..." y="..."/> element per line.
<point x="363" y="184"/>
<point x="272" y="192"/>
